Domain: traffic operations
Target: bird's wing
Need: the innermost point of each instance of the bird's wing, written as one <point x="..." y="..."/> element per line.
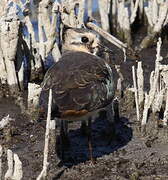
<point x="80" y="86"/>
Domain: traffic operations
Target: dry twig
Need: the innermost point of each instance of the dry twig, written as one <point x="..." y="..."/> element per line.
<point x="43" y="173"/>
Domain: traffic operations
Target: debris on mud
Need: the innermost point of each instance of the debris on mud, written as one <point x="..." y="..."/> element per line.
<point x="130" y="155"/>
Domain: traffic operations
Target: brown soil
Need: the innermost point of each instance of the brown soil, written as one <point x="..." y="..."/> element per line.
<point x="130" y="155"/>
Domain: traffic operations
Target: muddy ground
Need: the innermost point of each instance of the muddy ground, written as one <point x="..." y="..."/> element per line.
<point x="131" y="154"/>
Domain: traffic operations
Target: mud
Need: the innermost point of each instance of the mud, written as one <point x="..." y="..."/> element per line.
<point x="131" y="154"/>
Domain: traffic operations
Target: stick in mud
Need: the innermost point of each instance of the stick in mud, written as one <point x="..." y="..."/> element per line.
<point x="165" y="119"/>
<point x="157" y="15"/>
<point x="140" y="83"/>
<point x="18" y="172"/>
<point x="136" y="93"/>
<point x="1" y="152"/>
<point x="14" y="171"/>
<point x="9" y="172"/>
<point x="43" y="173"/>
<point x="107" y="36"/>
<point x="154" y="84"/>
<point x="123" y="46"/>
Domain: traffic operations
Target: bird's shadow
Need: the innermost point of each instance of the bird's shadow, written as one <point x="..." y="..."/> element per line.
<point x="78" y="152"/>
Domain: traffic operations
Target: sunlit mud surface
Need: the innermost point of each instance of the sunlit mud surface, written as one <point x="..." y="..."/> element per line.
<point x="131" y="154"/>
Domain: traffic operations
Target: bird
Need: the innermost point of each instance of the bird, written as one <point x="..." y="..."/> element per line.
<point x="82" y="83"/>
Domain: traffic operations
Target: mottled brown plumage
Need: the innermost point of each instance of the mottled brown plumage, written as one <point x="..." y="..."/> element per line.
<point x="81" y="82"/>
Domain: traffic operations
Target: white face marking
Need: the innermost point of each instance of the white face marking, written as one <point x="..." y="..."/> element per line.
<point x="73" y="41"/>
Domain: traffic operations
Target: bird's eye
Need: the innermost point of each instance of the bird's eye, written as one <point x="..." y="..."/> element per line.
<point x="84" y="39"/>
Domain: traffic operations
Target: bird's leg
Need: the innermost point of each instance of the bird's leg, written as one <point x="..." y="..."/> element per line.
<point x="64" y="140"/>
<point x="110" y="117"/>
<point x="64" y="126"/>
<point x="110" y="113"/>
<point x="90" y="140"/>
<point x="116" y="110"/>
<point x="83" y="127"/>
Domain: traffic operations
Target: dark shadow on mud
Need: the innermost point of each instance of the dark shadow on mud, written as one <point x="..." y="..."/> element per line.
<point x="102" y="144"/>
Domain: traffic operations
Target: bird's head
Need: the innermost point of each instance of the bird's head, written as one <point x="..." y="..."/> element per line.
<point x="80" y="39"/>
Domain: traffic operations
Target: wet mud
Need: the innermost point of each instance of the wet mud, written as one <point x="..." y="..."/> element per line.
<point x="130" y="155"/>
